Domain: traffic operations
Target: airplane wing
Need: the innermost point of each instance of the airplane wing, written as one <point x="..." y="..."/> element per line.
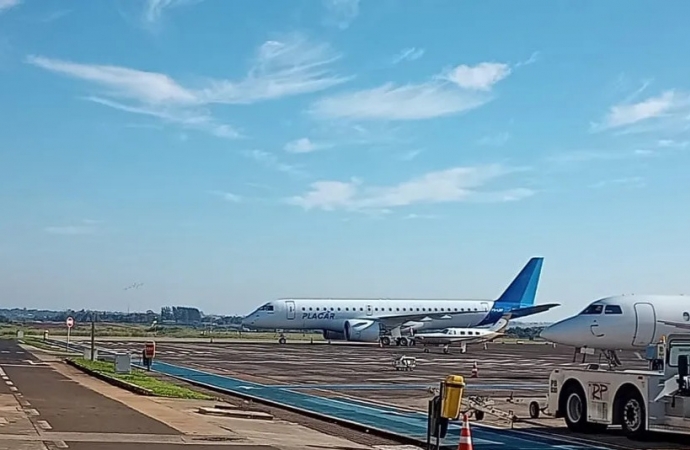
<point x="399" y="320"/>
<point x="530" y="310"/>
<point x="683" y="325"/>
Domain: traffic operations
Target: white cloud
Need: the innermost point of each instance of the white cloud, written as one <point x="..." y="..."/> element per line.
<point x="670" y="143"/>
<point x="412" y="154"/>
<point x="88" y="226"/>
<point x="495" y="139"/>
<point x="153" y="10"/>
<point x="279" y="69"/>
<point x="5" y="5"/>
<point x="408" y="54"/>
<point x="481" y="77"/>
<point x="659" y="107"/>
<point x="414" y="216"/>
<point x="628" y="181"/>
<point x="461" y="89"/>
<point x="303" y="145"/>
<point x="227" y="196"/>
<point x="341" y="13"/>
<point x="457" y="184"/>
<point x="272" y="162"/>
<point x="584" y="156"/>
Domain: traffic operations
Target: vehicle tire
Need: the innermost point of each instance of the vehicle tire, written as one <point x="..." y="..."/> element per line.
<point x="479" y="415"/>
<point x="534" y="410"/>
<point x="403" y="342"/>
<point x="633" y="415"/>
<point x="282" y="340"/>
<point x="575" y="408"/>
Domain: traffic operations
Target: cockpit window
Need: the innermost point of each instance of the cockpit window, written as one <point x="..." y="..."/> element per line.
<point x="593" y="309"/>
<point x="613" y="309"/>
<point x="266" y="307"/>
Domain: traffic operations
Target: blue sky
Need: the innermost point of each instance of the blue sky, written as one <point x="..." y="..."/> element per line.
<point x="224" y="153"/>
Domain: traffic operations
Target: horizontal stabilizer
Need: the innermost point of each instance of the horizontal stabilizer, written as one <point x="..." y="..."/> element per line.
<point x="530" y="310"/>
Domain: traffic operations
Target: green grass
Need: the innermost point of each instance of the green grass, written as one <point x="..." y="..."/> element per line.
<point x="140" y="378"/>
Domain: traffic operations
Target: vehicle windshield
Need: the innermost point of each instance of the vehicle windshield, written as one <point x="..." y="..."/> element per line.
<point x="678" y="348"/>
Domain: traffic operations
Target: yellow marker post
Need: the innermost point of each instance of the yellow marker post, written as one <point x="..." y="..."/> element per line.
<point x="451" y="403"/>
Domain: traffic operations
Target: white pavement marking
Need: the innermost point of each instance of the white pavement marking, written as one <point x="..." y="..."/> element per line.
<point x="2" y="373"/>
<point x="32" y="412"/>
<point x="44" y="424"/>
<point x="9" y="383"/>
<point x="13" y="388"/>
<point x="60" y="444"/>
<point x="3" y="421"/>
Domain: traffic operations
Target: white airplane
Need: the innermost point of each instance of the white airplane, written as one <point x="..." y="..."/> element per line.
<point x="623" y="322"/>
<point x="366" y="320"/>
<point x="463" y="336"/>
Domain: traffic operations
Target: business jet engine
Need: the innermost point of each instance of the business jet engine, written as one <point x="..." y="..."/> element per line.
<point x="333" y="335"/>
<point x="362" y="330"/>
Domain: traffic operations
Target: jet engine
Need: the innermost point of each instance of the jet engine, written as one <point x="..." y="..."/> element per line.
<point x="333" y="335"/>
<point x="362" y="330"/>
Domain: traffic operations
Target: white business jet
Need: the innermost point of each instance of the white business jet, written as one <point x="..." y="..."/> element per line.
<point x="624" y="322"/>
<point x="373" y="319"/>
<point x="463" y="336"/>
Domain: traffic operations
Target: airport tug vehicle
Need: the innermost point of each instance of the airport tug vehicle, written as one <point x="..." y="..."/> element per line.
<point x="657" y="400"/>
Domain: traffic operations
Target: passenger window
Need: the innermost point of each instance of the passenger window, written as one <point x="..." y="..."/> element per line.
<point x="462" y="333"/>
<point x="613" y="309"/>
<point x="593" y="309"/>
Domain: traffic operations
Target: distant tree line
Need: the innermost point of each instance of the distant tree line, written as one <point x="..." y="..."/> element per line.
<point x="180" y="315"/>
<point x="529" y="333"/>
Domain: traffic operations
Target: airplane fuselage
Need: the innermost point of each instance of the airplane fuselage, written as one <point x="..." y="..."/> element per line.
<point x="331" y="314"/>
<point x="625" y="322"/>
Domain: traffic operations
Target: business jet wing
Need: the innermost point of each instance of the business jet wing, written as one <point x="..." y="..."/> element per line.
<point x="399" y="319"/>
<point x="683" y="325"/>
<point x="530" y="310"/>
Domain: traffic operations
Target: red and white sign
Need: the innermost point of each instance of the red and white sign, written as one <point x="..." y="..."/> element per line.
<point x="70" y="322"/>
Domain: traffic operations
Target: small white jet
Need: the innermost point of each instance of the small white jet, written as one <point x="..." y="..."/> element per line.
<point x="623" y="322"/>
<point x="463" y="336"/>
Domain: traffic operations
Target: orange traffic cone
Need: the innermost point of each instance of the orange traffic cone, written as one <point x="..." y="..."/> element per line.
<point x="465" y="435"/>
<point x="475" y="370"/>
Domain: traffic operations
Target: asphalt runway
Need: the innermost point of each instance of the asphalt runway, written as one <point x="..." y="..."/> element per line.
<point x="365" y="373"/>
<point x="41" y="407"/>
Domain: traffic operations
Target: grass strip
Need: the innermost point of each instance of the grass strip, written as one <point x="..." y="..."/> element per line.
<point x="141" y="379"/>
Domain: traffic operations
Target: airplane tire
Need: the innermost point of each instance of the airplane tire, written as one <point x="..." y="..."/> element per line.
<point x="385" y="341"/>
<point x="282" y="340"/>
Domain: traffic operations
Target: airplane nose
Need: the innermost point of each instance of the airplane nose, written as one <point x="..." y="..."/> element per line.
<point x="559" y="332"/>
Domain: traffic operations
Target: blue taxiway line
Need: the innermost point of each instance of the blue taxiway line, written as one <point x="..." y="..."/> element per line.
<point x="410" y="426"/>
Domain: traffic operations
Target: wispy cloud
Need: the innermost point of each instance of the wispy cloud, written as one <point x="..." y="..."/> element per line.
<point x="670" y="105"/>
<point x="627" y="182"/>
<point x="86" y="226"/>
<point x="154" y="9"/>
<point x="271" y="161"/>
<point x="408" y="54"/>
<point x="340" y="13"/>
<point x="414" y="216"/>
<point x="453" y="91"/>
<point x="410" y="155"/>
<point x="458" y="184"/>
<point x="495" y="139"/>
<point x="585" y="156"/>
<point x="279" y="69"/>
<point x="6" y="5"/>
<point x="304" y="145"/>
<point x="227" y="196"/>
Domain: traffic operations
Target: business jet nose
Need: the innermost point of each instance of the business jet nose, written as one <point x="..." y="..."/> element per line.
<point x="560" y="333"/>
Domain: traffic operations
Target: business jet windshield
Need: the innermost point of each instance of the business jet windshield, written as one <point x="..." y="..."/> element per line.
<point x="266" y="307"/>
<point x="598" y="308"/>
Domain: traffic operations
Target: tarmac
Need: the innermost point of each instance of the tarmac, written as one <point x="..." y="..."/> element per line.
<point x="359" y="383"/>
<point x="46" y="404"/>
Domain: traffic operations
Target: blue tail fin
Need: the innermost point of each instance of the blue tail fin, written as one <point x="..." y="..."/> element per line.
<point x="523" y="290"/>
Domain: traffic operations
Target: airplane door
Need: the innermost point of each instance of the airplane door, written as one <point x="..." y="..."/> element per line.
<point x="485" y="307"/>
<point x="645" y="324"/>
<point x="290" y="310"/>
<point x="369" y="311"/>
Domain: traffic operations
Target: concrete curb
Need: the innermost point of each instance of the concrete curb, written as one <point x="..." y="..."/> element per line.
<point x="112" y="380"/>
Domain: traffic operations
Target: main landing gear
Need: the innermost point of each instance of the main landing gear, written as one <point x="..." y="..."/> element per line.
<point x="400" y="342"/>
<point x="281" y="339"/>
